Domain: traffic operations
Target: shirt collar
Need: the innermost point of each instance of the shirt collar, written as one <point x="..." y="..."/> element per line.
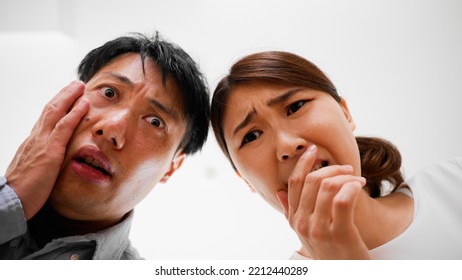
<point x="113" y="241"/>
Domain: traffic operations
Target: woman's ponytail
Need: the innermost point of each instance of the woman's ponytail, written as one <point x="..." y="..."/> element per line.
<point x="380" y="161"/>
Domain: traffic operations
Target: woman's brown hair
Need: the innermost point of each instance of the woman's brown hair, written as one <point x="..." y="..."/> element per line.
<point x="380" y="160"/>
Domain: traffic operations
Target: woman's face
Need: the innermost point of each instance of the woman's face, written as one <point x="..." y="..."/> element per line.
<point x="267" y="127"/>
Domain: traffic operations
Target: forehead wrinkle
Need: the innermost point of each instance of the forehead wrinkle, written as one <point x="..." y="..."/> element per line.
<point x="119" y="77"/>
<point x="158" y="105"/>
<point x="270" y="103"/>
<point x="249" y="116"/>
<point x="283" y="97"/>
<point x="165" y="96"/>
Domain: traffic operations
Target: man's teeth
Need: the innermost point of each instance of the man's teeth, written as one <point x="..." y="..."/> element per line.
<point x="92" y="162"/>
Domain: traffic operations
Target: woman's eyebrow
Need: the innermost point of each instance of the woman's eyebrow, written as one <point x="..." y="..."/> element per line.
<point x="245" y="121"/>
<point x="273" y="101"/>
<point x="283" y="97"/>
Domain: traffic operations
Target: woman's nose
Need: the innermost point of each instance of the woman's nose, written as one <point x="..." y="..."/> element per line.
<point x="112" y="127"/>
<point x="289" y="146"/>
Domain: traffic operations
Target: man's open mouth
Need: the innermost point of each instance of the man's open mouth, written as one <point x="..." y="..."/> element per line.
<point x="94" y="164"/>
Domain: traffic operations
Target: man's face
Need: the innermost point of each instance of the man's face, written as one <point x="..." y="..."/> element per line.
<point x="124" y="146"/>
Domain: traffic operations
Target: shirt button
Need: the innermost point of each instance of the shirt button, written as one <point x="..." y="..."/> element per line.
<point x="14" y="242"/>
<point x="74" y="257"/>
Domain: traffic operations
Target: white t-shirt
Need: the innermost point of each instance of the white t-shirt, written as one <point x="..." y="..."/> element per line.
<point x="436" y="229"/>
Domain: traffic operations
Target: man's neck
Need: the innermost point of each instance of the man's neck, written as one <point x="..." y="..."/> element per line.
<point x="48" y="225"/>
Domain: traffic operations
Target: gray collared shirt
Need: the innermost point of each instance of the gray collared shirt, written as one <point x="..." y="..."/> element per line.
<point x="16" y="242"/>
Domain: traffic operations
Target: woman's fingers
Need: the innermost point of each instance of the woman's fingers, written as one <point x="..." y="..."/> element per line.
<point x="320" y="207"/>
<point x="328" y="196"/>
<point x="314" y="180"/>
<point x="330" y="232"/>
<point x="283" y="198"/>
<point x="297" y="178"/>
<point x="343" y="206"/>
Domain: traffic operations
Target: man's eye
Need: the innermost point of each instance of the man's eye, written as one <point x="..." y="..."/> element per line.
<point x="294" y="107"/>
<point x="155" y="121"/>
<point x="108" y="92"/>
<point x="251" y="136"/>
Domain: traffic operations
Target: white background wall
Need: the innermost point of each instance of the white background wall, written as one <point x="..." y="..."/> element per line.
<point x="398" y="63"/>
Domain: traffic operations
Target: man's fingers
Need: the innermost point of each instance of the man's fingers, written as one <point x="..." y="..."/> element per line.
<point x="63" y="130"/>
<point x="69" y="93"/>
<point x="59" y="106"/>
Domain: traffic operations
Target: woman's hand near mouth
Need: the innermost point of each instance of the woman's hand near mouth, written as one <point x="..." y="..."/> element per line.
<point x="319" y="205"/>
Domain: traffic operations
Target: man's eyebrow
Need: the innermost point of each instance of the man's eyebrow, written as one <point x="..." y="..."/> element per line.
<point x="283" y="97"/>
<point x="245" y="121"/>
<point x="164" y="109"/>
<point x="125" y="80"/>
<point x="121" y="78"/>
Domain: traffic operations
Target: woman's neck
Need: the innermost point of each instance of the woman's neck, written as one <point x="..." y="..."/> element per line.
<point x="380" y="220"/>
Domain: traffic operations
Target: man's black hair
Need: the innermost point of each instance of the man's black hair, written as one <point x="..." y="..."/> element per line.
<point x="173" y="61"/>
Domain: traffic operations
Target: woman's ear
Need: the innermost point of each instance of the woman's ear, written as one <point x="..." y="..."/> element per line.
<point x="248" y="185"/>
<point x="174" y="165"/>
<point x="346" y="112"/>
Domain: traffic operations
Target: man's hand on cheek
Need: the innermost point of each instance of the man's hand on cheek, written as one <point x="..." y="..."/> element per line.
<point x="33" y="171"/>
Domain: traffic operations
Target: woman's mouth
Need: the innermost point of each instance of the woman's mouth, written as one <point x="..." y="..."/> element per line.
<point x="320" y="165"/>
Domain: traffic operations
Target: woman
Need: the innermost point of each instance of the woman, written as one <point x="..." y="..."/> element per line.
<point x="289" y="135"/>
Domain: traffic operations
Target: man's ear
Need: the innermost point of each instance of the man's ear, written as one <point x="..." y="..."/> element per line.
<point x="174" y="165"/>
<point x="248" y="185"/>
<point x="347" y="114"/>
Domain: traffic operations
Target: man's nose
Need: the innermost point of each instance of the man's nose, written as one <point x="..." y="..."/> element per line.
<point x="289" y="145"/>
<point x="112" y="127"/>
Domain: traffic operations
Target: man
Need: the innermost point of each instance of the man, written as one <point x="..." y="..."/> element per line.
<point x="98" y="149"/>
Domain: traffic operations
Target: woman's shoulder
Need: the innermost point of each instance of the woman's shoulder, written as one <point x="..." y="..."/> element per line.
<point x="454" y="160"/>
<point x="446" y="174"/>
<point x="447" y="165"/>
<point x="459" y="161"/>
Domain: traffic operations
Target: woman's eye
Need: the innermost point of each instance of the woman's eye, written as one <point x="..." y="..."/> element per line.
<point x="155" y="121"/>
<point x="294" y="107"/>
<point x="108" y="92"/>
<point x="251" y="136"/>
